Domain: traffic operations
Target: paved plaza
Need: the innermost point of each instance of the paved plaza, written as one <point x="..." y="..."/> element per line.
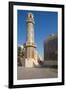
<point x="36" y="73"/>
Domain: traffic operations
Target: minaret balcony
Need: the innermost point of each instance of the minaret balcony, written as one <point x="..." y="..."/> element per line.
<point x="29" y="44"/>
<point x="30" y="20"/>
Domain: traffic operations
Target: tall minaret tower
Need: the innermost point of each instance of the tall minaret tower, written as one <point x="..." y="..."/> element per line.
<point x="30" y="44"/>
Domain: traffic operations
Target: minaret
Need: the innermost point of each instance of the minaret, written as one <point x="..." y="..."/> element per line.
<point x="30" y="43"/>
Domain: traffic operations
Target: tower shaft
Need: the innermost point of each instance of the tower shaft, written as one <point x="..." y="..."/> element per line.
<point x="30" y="44"/>
<point x="30" y="33"/>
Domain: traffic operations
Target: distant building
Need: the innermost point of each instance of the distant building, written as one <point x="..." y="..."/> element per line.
<point x="51" y="47"/>
<point x="51" y="50"/>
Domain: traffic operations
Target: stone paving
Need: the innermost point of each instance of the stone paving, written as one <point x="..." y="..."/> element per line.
<point x="36" y="73"/>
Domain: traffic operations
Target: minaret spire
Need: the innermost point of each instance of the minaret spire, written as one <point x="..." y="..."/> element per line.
<point x="30" y="29"/>
<point x="30" y="43"/>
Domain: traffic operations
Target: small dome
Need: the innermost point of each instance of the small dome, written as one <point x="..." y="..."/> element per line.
<point x="30" y="15"/>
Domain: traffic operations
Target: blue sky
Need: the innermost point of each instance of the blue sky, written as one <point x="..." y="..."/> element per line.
<point x="46" y="23"/>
